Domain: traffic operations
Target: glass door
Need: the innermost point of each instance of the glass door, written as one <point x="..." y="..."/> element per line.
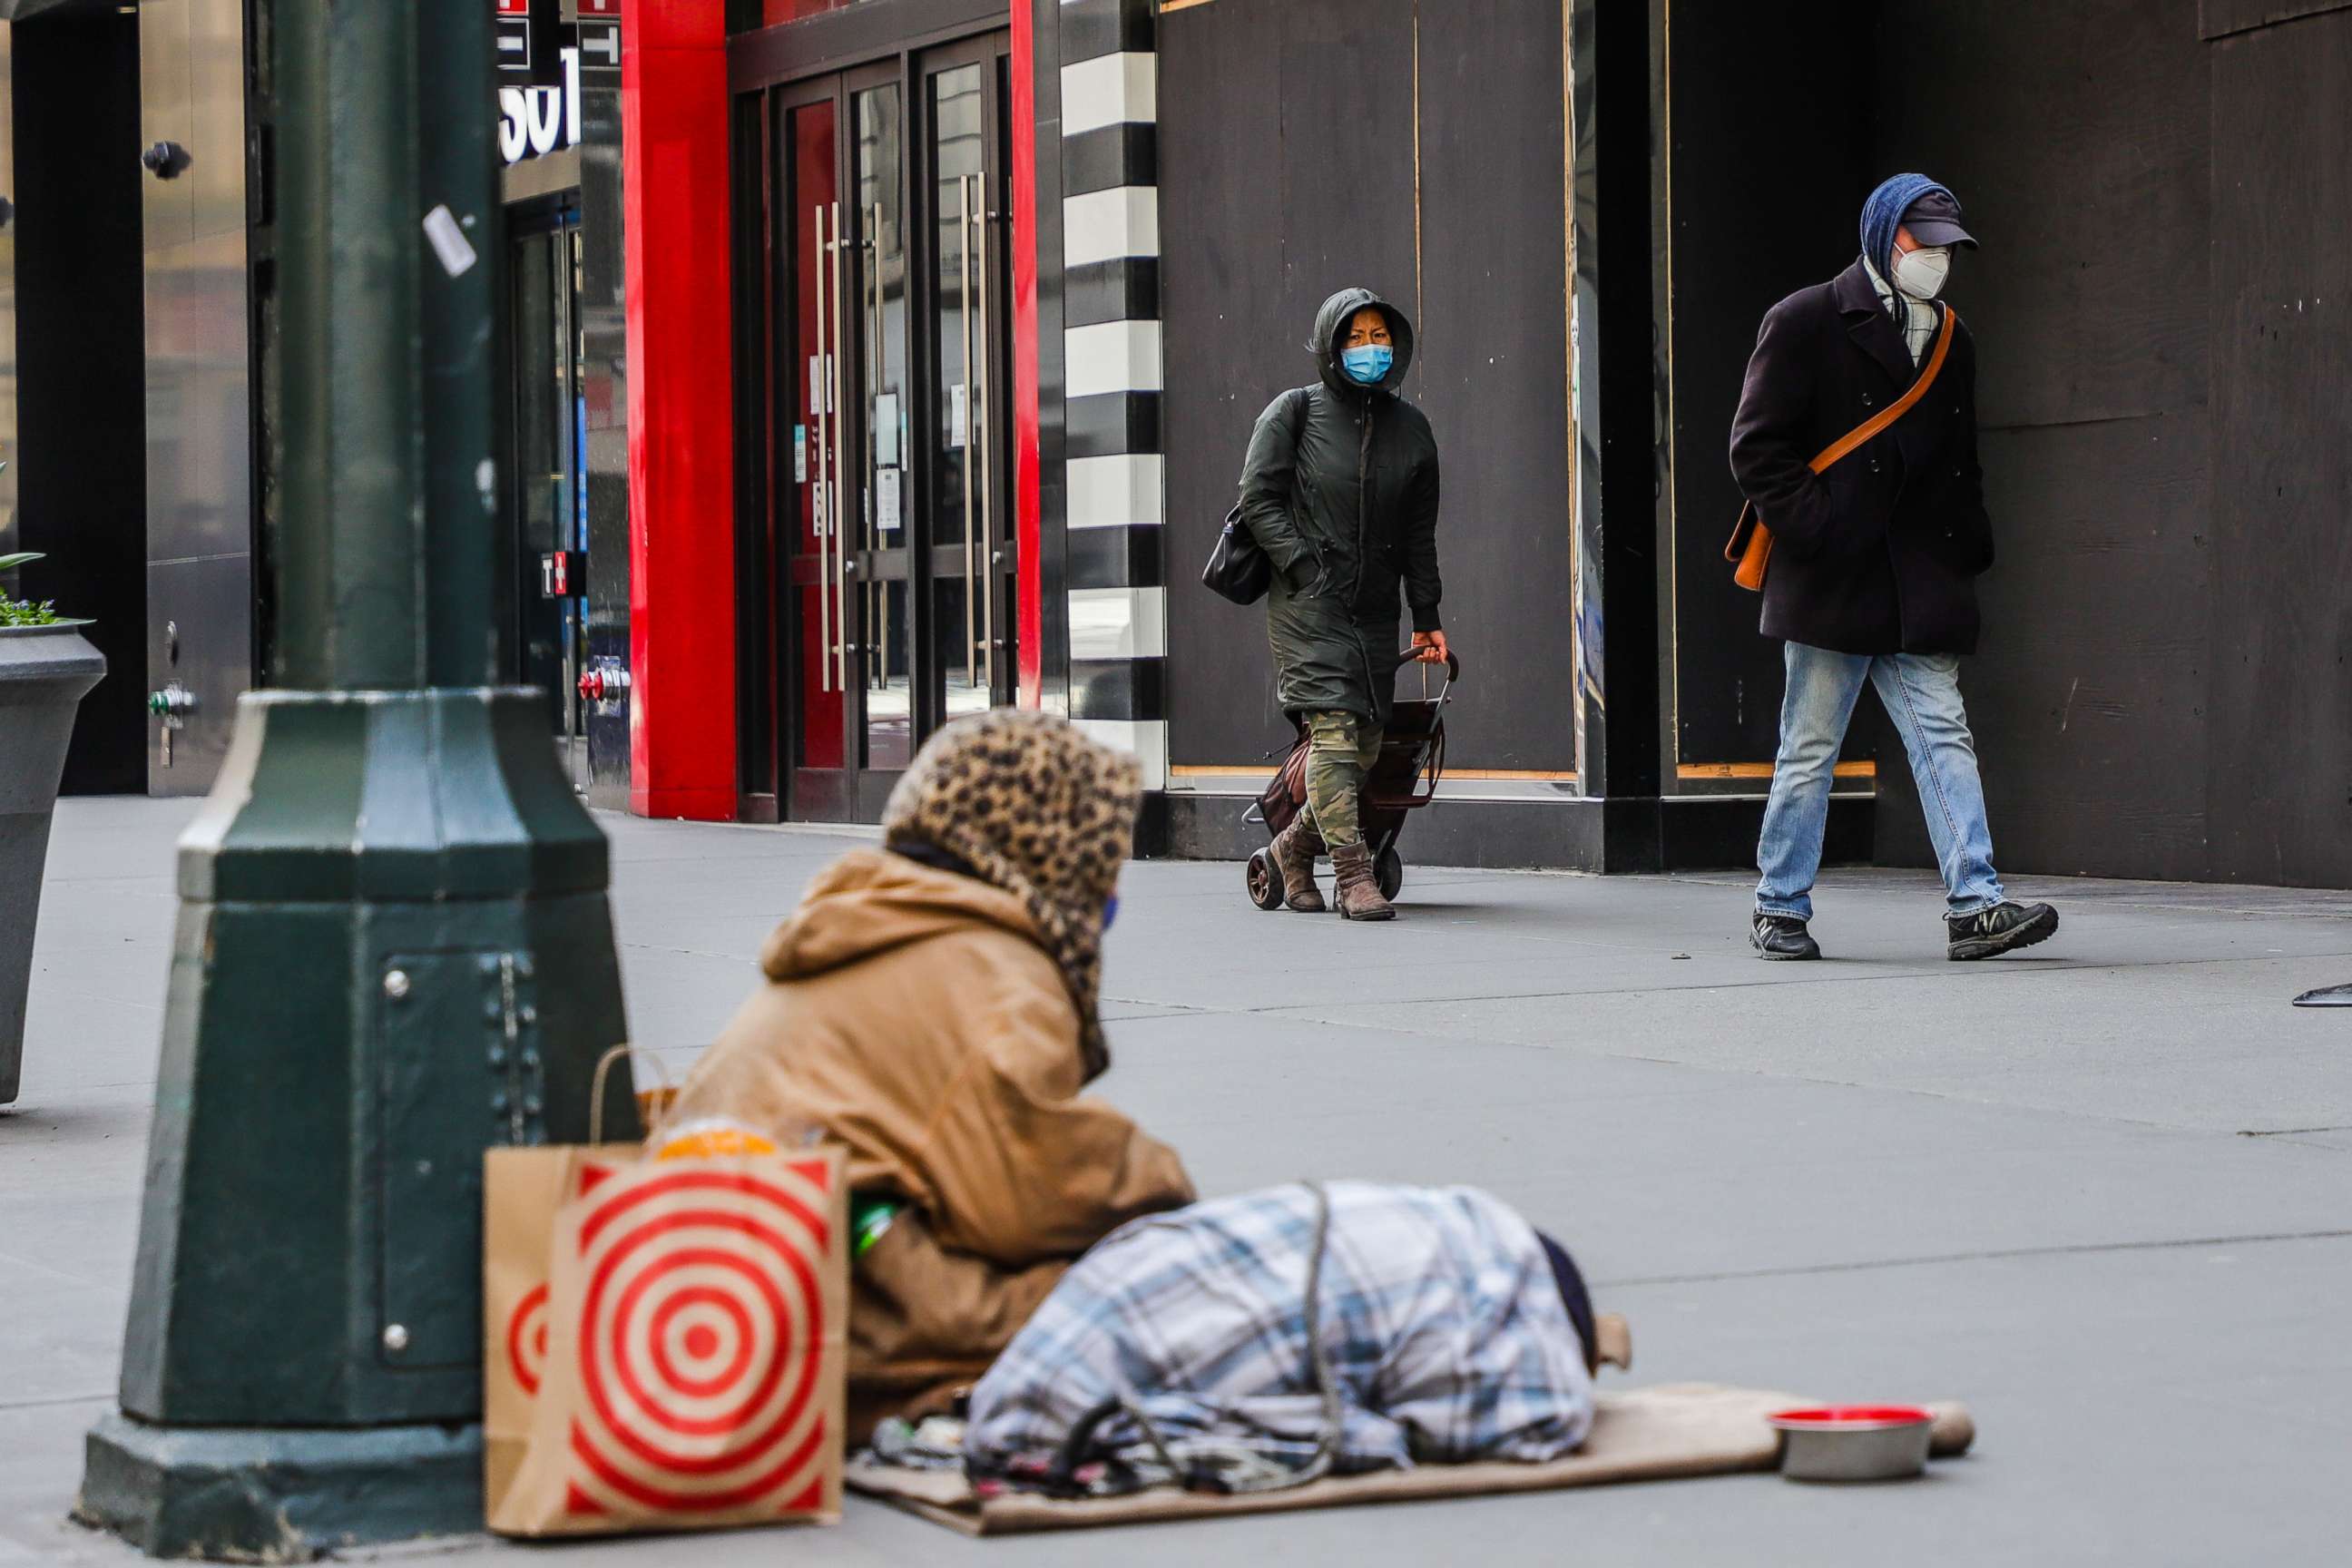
<point x="551" y="502"/>
<point x="881" y="555"/>
<point x="882" y="562"/>
<point x="970" y="462"/>
<point x="820" y="720"/>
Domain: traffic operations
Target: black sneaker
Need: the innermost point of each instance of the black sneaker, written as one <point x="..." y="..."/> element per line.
<point x="1782" y="937"/>
<point x="2004" y="927"/>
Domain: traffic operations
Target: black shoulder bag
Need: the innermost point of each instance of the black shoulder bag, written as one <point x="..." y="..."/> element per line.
<point x="1239" y="569"/>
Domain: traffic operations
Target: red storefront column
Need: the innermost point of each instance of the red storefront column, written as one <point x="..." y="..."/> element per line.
<point x="1031" y="608"/>
<point x="674" y="162"/>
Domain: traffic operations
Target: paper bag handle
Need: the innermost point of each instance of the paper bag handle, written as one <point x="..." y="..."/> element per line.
<point x="596" y="1085"/>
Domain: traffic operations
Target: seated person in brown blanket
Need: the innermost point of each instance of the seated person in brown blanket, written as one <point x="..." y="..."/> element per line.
<point x="931" y="1005"/>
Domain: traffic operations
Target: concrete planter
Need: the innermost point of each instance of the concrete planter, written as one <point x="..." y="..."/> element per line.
<point x="44" y="673"/>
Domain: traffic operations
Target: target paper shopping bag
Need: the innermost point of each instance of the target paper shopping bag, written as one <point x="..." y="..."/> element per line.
<point x="695" y="1372"/>
<point x="522" y="1190"/>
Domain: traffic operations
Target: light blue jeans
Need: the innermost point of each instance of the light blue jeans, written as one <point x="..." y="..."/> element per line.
<point x="1922" y="694"/>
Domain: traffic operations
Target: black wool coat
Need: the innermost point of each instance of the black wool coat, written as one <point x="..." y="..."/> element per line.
<point x="1880" y="554"/>
<point x="1341" y="490"/>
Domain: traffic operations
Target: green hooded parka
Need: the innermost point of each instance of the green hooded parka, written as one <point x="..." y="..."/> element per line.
<point x="1341" y="490"/>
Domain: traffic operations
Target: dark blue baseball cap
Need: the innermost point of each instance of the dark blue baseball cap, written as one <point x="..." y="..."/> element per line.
<point x="1935" y="219"/>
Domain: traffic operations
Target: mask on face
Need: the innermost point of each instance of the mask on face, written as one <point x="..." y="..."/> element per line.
<point x="1368" y="365"/>
<point x="1920" y="273"/>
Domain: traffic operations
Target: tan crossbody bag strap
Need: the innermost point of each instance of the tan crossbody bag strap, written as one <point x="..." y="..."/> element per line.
<point x="1751" y="543"/>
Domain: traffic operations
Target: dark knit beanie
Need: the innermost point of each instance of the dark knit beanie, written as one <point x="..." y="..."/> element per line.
<point x="1574" y="1293"/>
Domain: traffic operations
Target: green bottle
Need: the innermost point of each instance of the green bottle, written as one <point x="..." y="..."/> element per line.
<point x="869" y="1217"/>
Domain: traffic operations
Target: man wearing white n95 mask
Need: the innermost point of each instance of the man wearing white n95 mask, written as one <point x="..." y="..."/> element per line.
<point x="1874" y="556"/>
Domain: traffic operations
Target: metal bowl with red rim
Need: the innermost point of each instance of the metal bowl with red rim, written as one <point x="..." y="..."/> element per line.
<point x="1853" y="1442"/>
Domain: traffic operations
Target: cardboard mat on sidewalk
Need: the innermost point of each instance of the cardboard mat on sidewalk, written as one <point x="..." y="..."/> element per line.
<point x="1669" y="1431"/>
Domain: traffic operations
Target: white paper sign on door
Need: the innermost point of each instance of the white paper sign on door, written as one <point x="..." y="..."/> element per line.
<point x="816" y="383"/>
<point x="886" y="430"/>
<point x="956" y="417"/>
<point x="885" y="505"/>
<point x="800" y="454"/>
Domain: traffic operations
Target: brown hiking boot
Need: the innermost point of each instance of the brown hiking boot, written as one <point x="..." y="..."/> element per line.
<point x="1359" y="890"/>
<point x="1292" y="853"/>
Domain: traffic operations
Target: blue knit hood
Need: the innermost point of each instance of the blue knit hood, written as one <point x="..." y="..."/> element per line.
<point x="1881" y="215"/>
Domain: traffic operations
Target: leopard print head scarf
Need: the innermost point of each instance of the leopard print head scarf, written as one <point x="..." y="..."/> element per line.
<point x="1035" y="807"/>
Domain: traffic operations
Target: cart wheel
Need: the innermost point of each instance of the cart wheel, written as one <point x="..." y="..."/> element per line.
<point x="1390" y="871"/>
<point x="1265" y="881"/>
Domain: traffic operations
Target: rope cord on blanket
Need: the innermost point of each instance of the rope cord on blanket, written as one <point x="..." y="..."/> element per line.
<point x="1233" y="1468"/>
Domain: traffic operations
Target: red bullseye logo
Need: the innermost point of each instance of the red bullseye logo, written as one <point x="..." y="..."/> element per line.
<point x="526" y="1340"/>
<point x="701" y="1338"/>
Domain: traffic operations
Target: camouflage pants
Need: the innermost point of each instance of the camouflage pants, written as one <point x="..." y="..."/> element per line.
<point x="1340" y="750"/>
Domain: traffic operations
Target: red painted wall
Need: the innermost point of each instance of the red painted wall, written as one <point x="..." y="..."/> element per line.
<point x="1032" y="609"/>
<point x="674" y="160"/>
<point x="773" y="12"/>
<point x="674" y="155"/>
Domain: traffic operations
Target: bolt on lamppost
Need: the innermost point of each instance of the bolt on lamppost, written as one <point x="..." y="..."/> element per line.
<point x="395" y="947"/>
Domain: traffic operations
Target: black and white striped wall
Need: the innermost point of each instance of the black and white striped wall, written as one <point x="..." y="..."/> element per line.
<point x="1111" y="376"/>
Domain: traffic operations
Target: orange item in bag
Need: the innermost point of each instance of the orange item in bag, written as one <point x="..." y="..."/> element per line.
<point x="713" y="1138"/>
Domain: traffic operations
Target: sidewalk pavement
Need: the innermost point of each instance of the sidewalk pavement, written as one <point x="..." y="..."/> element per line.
<point x="2102" y="1191"/>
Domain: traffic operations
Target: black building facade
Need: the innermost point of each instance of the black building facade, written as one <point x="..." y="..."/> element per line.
<point x="2161" y="311"/>
<point x="1587" y="204"/>
<point x="137" y="400"/>
<point x="1593" y="205"/>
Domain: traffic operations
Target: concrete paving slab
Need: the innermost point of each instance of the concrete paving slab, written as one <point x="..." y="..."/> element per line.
<point x="2209" y="1044"/>
<point x="2317" y="1138"/>
<point x="1770" y="1172"/>
<point x="2021" y="1185"/>
<point x="1531" y="936"/>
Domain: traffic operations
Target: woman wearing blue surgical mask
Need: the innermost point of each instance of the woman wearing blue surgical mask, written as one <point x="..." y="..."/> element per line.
<point x="1341" y="490"/>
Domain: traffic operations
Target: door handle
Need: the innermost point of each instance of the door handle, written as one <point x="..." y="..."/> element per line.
<point x="879" y="594"/>
<point x="983" y="436"/>
<point x="963" y="305"/>
<point x="822" y="429"/>
<point x="837" y="398"/>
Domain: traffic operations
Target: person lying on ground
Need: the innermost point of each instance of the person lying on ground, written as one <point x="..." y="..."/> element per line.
<point x="932" y="1005"/>
<point x="1260" y="1341"/>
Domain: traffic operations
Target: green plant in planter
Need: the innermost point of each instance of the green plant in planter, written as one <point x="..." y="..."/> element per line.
<point x="23" y="612"/>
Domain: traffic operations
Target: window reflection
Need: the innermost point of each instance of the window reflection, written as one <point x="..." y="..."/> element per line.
<point x="957" y="108"/>
<point x="880" y="335"/>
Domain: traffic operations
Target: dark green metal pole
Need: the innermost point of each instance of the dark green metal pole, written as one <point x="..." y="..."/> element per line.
<point x="395" y="947"/>
<point x="458" y="137"/>
<point x="389" y="418"/>
<point x="353" y="260"/>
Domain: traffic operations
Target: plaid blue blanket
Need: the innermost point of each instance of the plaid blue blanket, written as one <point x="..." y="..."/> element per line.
<point x="1438" y="1315"/>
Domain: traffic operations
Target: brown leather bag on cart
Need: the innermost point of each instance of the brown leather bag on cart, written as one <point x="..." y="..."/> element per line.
<point x="1751" y="548"/>
<point x="1286" y="797"/>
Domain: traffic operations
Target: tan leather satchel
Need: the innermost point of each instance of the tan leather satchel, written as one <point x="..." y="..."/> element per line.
<point x="1750" y="548"/>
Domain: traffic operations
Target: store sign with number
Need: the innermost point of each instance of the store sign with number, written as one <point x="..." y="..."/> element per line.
<point x="543" y="48"/>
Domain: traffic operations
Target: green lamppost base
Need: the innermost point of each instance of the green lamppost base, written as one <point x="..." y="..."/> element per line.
<point x="278" y="1495"/>
<point x="395" y="951"/>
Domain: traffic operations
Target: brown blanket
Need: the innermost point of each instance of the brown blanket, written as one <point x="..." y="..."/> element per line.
<point x="1663" y="1433"/>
